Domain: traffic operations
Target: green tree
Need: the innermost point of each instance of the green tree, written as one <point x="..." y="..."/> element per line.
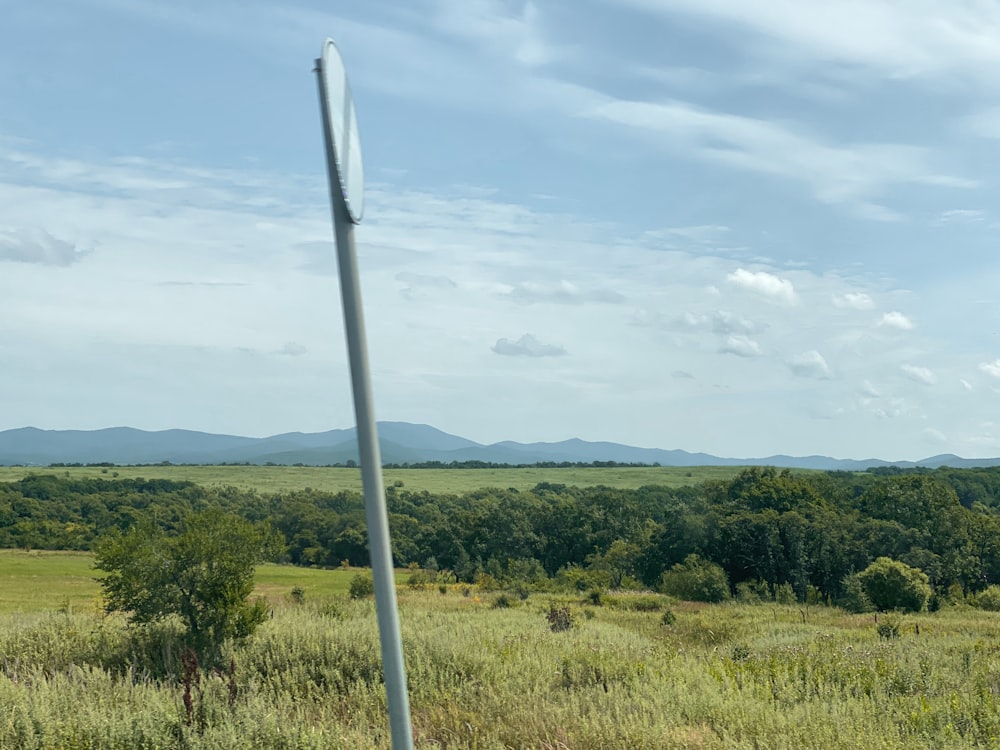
<point x="202" y="575"/>
<point x="618" y="562"/>
<point x="890" y="584"/>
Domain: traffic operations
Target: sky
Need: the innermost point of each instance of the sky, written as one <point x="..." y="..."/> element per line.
<point x="743" y="227"/>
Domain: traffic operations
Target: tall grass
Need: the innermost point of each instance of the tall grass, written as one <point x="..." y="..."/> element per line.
<point x="722" y="676"/>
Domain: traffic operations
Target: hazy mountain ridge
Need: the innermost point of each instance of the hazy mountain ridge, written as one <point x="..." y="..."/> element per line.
<point x="401" y="442"/>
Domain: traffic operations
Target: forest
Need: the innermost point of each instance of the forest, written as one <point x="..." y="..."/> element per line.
<point x="767" y="529"/>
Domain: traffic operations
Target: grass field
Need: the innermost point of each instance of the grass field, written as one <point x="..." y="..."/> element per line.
<point x="42" y="581"/>
<point x="271" y="479"/>
<point x="718" y="677"/>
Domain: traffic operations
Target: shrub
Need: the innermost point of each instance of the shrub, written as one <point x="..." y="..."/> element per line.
<point x="891" y="584"/>
<point x="668" y="618"/>
<point x="560" y="618"/>
<point x="298" y="595"/>
<point x="855" y="599"/>
<point x="888" y="627"/>
<point x="696" y="580"/>
<point x="521" y="591"/>
<point x="753" y="592"/>
<point x="785" y="594"/>
<point x="418" y="578"/>
<point x="362" y="585"/>
<point x="637" y="602"/>
<point x="989" y="599"/>
<point x="741" y="652"/>
<point x="502" y="602"/>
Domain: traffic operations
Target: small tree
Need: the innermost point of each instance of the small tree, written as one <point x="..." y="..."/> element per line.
<point x="696" y="580"/>
<point x="891" y="584"/>
<point x="202" y="575"/>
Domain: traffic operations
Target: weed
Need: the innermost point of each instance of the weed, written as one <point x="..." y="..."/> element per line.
<point x="888" y="627"/>
<point x="559" y="618"/>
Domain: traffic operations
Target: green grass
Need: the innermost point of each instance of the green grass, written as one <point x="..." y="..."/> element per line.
<point x="42" y="581"/>
<point x="272" y="479"/>
<point x="39" y="581"/>
<point x="722" y="677"/>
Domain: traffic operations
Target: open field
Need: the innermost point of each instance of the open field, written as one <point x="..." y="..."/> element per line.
<point x="725" y="676"/>
<point x="42" y="581"/>
<point x="271" y="479"/>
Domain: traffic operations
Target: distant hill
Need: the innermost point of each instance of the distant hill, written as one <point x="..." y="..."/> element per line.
<point x="401" y="442"/>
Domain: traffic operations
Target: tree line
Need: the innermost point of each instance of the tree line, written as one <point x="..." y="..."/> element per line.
<point x="765" y="529"/>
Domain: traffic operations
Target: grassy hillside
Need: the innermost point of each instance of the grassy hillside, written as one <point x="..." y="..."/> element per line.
<point x="269" y="479"/>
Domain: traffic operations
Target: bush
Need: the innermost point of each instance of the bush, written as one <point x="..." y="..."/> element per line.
<point x="560" y="618"/>
<point x="696" y="580"/>
<point x="888" y="628"/>
<point x="636" y="602"/>
<point x="988" y="599"/>
<point x="891" y="584"/>
<point x="668" y="618"/>
<point x="502" y="602"/>
<point x="855" y="599"/>
<point x="785" y="594"/>
<point x="362" y="585"/>
<point x="753" y="592"/>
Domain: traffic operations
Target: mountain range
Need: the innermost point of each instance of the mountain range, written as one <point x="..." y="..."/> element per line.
<point x="401" y="443"/>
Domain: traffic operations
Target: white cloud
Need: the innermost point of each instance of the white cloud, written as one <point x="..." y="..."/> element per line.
<point x="960" y="216"/>
<point x="919" y="374"/>
<point x="741" y="346"/>
<point x="966" y="384"/>
<point x="854" y="300"/>
<point x="810" y="364"/>
<point x="892" y="38"/>
<point x="487" y="22"/>
<point x="991" y="368"/>
<point x="896" y="319"/>
<point x="765" y="284"/>
<point x="721" y="322"/>
<point x="851" y="175"/>
<point x="527" y="346"/>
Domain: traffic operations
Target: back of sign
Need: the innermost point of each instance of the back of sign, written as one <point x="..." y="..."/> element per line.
<point x="346" y="146"/>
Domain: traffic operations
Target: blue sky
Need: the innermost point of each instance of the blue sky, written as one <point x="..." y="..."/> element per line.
<point x="737" y="227"/>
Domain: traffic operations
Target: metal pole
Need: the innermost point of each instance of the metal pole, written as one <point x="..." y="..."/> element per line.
<point x="371" y="461"/>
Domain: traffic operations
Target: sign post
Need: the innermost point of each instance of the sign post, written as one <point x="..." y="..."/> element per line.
<point x="343" y="159"/>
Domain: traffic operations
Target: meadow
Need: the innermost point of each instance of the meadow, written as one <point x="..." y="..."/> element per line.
<point x="634" y="671"/>
<point x="274" y="479"/>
